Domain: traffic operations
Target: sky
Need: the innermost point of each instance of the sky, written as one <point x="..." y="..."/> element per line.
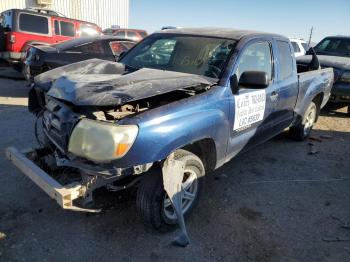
<point x="292" y="18"/>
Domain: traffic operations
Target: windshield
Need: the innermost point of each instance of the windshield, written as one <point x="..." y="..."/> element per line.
<point x="334" y="46"/>
<point x="188" y="54"/>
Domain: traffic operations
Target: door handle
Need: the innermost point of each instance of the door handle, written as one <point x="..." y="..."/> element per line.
<point x="274" y="96"/>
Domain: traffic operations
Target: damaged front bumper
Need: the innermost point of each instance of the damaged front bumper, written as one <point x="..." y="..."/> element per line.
<point x="64" y="195"/>
<point x="68" y="194"/>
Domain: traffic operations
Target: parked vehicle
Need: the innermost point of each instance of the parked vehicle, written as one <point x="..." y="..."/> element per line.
<point x="299" y="46"/>
<point x="132" y="34"/>
<point x="183" y="108"/>
<point x="40" y="59"/>
<point x="334" y="52"/>
<point x="21" y="28"/>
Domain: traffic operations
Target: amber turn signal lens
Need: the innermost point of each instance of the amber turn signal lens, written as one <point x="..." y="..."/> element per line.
<point x="121" y="149"/>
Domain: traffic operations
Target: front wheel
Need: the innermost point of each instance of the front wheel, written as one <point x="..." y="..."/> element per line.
<point x="301" y="131"/>
<point x="153" y="203"/>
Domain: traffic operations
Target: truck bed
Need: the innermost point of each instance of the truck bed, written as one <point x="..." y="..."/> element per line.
<point x="310" y="83"/>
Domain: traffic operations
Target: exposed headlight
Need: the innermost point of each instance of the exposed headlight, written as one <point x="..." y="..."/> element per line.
<point x="101" y="141"/>
<point x="345" y="77"/>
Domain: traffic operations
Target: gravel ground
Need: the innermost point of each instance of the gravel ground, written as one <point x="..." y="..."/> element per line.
<point x="274" y="203"/>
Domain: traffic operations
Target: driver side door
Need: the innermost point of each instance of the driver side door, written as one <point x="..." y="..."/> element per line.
<point x="252" y="108"/>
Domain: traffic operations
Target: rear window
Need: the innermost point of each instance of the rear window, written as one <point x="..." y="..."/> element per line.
<point x="286" y="61"/>
<point x="6" y="19"/>
<point x="295" y="47"/>
<point x="34" y="23"/>
<point x="67" y="29"/>
<point x="119" y="47"/>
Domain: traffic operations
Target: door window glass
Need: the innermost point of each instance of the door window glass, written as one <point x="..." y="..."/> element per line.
<point x="57" y="28"/>
<point x="131" y="34"/>
<point x="286" y="61"/>
<point x="256" y="57"/>
<point x="120" y="34"/>
<point x="67" y="29"/>
<point x="33" y="23"/>
<point x="305" y="46"/>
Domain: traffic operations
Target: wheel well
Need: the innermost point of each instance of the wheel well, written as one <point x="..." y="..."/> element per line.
<point x="205" y="149"/>
<point x="318" y="101"/>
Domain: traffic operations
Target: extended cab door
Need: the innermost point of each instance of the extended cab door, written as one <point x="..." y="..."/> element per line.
<point x="253" y="109"/>
<point x="287" y="90"/>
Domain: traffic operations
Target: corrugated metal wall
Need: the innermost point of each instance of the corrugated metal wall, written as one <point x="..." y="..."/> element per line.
<point x="102" y="12"/>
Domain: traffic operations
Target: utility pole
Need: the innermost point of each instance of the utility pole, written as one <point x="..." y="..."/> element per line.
<point x="312" y="29"/>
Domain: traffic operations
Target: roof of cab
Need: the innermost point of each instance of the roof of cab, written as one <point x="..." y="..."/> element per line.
<point x="235" y="34"/>
<point x="338" y="36"/>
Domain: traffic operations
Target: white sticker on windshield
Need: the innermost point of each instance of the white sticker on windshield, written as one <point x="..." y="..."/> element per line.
<point x="250" y="108"/>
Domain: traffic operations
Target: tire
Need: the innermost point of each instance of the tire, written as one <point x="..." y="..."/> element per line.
<point x="152" y="201"/>
<point x="26" y="72"/>
<point x="301" y="131"/>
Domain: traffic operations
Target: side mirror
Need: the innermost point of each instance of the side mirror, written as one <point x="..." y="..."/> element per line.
<point x="254" y="80"/>
<point x="310" y="51"/>
<point x="314" y="63"/>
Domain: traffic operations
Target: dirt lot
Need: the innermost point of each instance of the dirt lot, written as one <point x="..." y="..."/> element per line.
<point x="275" y="203"/>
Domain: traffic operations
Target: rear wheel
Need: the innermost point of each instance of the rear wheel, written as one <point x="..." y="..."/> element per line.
<point x="154" y="204"/>
<point x="302" y="130"/>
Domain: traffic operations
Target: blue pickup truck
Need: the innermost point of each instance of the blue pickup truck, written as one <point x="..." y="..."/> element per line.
<point x="197" y="97"/>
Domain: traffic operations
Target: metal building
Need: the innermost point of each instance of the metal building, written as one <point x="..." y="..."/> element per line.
<point x="101" y="12"/>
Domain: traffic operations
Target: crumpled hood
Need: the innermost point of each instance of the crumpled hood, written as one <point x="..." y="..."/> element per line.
<point x="338" y="62"/>
<point x="97" y="82"/>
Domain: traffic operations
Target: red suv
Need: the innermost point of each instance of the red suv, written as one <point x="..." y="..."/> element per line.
<point x="131" y="34"/>
<point x="20" y="28"/>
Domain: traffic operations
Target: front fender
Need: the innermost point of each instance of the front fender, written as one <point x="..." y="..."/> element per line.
<point x="165" y="129"/>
